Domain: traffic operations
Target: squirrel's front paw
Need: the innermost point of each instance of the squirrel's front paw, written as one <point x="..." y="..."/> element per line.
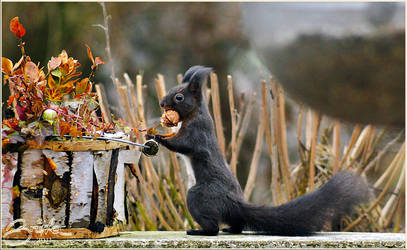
<point x="157" y="138"/>
<point x="149" y="137"/>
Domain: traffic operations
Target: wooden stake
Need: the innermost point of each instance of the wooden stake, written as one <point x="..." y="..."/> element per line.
<point x="217" y="111"/>
<point x="103" y="104"/>
<point x="336" y="146"/>
<point x="256" y="156"/>
<point x="233" y="122"/>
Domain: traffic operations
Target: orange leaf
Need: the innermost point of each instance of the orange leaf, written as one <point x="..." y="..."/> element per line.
<point x="6" y="66"/>
<point x="53" y="95"/>
<point x="90" y="54"/>
<point x="10" y="100"/>
<point x="17" y="28"/>
<point x="51" y="82"/>
<point x="82" y="86"/>
<point x="64" y="128"/>
<point x="73" y="131"/>
<point x="54" y="63"/>
<point x="52" y="163"/>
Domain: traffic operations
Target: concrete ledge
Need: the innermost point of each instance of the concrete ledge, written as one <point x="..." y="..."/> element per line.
<point x="138" y="239"/>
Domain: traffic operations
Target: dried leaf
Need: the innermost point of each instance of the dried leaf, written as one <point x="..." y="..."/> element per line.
<point x="17" y="28"/>
<point x="6" y="66"/>
<point x="32" y="72"/>
<point x="64" y="56"/>
<point x="18" y="64"/>
<point x="54" y="63"/>
<point x="74" y="132"/>
<point x="63" y="128"/>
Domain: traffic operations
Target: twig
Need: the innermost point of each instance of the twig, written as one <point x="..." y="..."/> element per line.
<point x="233" y="122"/>
<point x="299" y="135"/>
<point x="392" y="200"/>
<point x="245" y="124"/>
<point x="382" y="152"/>
<point x="255" y="158"/>
<point x="131" y="87"/>
<point x="126" y="104"/>
<point x="140" y="105"/>
<point x="353" y="139"/>
<point x="315" y="127"/>
<point x="103" y="104"/>
<point x="108" y="48"/>
<point x="336" y="146"/>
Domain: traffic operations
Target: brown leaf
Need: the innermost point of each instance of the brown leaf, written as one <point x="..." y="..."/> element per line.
<point x="54" y="63"/>
<point x="98" y="61"/>
<point x="32" y="72"/>
<point x="17" y="28"/>
<point x="6" y="66"/>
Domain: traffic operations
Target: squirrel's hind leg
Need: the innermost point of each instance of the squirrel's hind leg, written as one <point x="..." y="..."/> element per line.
<point x="210" y="227"/>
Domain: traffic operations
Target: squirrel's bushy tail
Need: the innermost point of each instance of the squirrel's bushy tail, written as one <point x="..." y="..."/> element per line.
<point x="309" y="213"/>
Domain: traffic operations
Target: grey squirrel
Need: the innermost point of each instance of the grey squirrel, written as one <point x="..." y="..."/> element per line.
<point x="217" y="196"/>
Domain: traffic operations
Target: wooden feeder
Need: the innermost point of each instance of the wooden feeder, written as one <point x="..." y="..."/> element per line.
<point x="62" y="189"/>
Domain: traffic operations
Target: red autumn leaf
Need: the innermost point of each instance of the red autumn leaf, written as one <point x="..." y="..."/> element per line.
<point x="20" y="112"/>
<point x="10" y="100"/>
<point x="6" y="66"/>
<point x="17" y="28"/>
<point x="98" y="61"/>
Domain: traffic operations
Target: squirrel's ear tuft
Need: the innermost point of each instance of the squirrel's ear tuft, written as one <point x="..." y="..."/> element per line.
<point x="196" y="76"/>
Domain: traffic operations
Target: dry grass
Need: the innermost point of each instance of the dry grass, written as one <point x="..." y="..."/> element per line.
<point x="157" y="186"/>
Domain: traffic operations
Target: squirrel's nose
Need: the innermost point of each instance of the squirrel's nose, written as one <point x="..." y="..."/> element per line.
<point x="162" y="104"/>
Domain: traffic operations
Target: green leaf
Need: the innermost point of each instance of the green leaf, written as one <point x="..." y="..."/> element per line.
<point x="57" y="73"/>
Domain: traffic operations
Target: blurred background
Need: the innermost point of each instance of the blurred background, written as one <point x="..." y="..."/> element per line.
<point x="248" y="41"/>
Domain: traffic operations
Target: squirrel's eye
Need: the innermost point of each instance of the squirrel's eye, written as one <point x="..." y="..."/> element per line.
<point x="179" y="97"/>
